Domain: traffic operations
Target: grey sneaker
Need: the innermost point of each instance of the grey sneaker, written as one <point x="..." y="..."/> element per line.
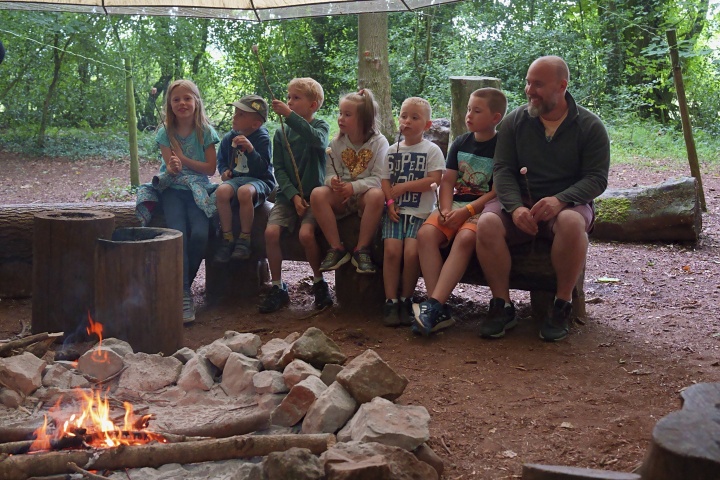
<point x="557" y="325"/>
<point x="362" y="261"/>
<point x="188" y="309"/>
<point x="391" y="316"/>
<point x="334" y="259"/>
<point x="222" y="255"/>
<point x="501" y="317"/>
<point x="242" y="249"/>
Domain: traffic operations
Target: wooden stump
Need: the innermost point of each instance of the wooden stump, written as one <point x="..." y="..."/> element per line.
<point x="138" y="295"/>
<point x="460" y="90"/>
<point x="64" y="269"/>
<point x="686" y="443"/>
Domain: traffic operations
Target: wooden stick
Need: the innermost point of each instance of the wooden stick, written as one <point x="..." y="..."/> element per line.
<point x="89" y="475"/>
<point x="20" y="467"/>
<point x="23" y="342"/>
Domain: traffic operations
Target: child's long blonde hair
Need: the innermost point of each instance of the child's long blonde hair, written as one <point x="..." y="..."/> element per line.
<point x="367" y="110"/>
<point x="200" y="121"/>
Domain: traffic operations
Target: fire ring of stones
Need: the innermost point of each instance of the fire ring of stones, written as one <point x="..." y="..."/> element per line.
<point x="237" y="408"/>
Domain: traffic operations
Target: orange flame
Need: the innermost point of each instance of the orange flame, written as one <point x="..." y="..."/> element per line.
<point x="93" y="426"/>
<point x="97" y="329"/>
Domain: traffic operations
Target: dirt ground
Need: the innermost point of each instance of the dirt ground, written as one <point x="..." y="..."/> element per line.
<point x="589" y="401"/>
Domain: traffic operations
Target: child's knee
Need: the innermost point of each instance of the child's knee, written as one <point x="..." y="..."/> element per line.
<point x="245" y="194"/>
<point x="224" y="192"/>
<point x="319" y="194"/>
<point x="272" y="234"/>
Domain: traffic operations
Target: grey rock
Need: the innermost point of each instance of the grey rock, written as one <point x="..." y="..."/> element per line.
<point x="367" y="376"/>
<point x="293" y="464"/>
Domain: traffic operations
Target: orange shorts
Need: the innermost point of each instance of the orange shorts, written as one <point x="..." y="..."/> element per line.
<point x="434" y="220"/>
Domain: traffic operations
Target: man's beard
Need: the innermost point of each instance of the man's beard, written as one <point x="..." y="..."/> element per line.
<point x="542" y="108"/>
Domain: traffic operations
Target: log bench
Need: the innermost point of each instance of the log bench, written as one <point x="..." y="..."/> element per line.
<point x="531" y="270"/>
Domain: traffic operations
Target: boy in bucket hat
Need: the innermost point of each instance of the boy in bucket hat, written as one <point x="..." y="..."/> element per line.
<point x="244" y="164"/>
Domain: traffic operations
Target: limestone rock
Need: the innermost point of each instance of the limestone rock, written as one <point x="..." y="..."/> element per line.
<point x="367" y="376"/>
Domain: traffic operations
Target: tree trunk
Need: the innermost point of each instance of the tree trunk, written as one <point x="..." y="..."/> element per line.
<point x="669" y="211"/>
<point x="16" y="238"/>
<point x="64" y="267"/>
<point x="460" y="90"/>
<point x="685" y="443"/>
<point x="373" y="66"/>
<point x="20" y="467"/>
<point x="58" y="54"/>
<point x="138" y="288"/>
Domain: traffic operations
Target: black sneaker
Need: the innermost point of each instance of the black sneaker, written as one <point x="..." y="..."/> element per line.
<point x="430" y="317"/>
<point x="557" y="325"/>
<point x="501" y="317"/>
<point x="406" y="312"/>
<point x="362" y="261"/>
<point x="224" y="251"/>
<point x="275" y="299"/>
<point x="242" y="249"/>
<point x="334" y="259"/>
<point x="322" y="295"/>
<point x="391" y="316"/>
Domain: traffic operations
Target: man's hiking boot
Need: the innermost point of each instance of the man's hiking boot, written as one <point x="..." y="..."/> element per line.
<point x="275" y="299"/>
<point x="557" y="325"/>
<point x="500" y="317"/>
<point x="334" y="259"/>
<point x="242" y="249"/>
<point x="363" y="262"/>
<point x="322" y="295"/>
<point x="431" y="317"/>
<point x="224" y="251"/>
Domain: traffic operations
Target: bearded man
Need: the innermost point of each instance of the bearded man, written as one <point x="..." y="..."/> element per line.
<point x="563" y="151"/>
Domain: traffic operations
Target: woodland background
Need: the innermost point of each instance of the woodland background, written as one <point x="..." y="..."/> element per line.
<point x="62" y="84"/>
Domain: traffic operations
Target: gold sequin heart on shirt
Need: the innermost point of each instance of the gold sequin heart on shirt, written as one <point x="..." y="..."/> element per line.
<point x="356" y="162"/>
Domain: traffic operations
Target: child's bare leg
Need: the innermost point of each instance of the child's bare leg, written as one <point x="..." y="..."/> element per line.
<point x="454" y="268"/>
<point x="311" y="247"/>
<point x="273" y="250"/>
<point x="391" y="266"/>
<point x="246" y="195"/>
<point x="321" y="202"/>
<point x="371" y="203"/>
<point x="429" y="239"/>
<point x="223" y="195"/>
<point x="411" y="267"/>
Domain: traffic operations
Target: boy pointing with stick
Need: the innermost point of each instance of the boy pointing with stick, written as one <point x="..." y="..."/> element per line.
<point x="299" y="161"/>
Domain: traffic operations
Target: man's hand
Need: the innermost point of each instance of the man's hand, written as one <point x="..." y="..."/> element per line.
<point x="524" y="220"/>
<point x="281" y="108"/>
<point x="546" y="209"/>
<point x="242" y="143"/>
<point x="301" y="205"/>
<point x="226" y="175"/>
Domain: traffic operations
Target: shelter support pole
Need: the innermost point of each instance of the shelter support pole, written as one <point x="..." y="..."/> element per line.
<point x="684" y="115"/>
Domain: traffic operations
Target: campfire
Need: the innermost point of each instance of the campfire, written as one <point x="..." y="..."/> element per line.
<point x="92" y="426"/>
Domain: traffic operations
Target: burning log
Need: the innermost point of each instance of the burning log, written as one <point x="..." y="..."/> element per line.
<point x="20" y="467"/>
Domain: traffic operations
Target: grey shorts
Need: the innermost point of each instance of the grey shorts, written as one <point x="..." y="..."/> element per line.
<point x="515" y="236"/>
<point x="262" y="189"/>
<point x="285" y="215"/>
